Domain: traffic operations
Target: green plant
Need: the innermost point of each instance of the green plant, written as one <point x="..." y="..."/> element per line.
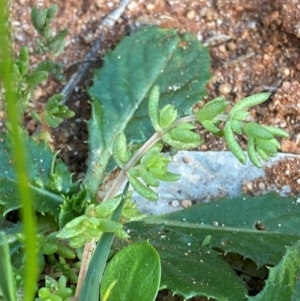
<point x="152" y="90"/>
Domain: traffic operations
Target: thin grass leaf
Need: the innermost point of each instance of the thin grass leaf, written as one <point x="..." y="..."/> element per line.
<point x="7" y="282"/>
<point x="91" y="286"/>
<point x="18" y="149"/>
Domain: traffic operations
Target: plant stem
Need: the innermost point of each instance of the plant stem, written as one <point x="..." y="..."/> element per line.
<point x="222" y="117"/>
<point x="138" y="155"/>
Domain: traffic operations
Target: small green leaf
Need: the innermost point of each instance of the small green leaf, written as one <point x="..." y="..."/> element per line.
<point x="120" y="151"/>
<point x="206" y="241"/>
<point x="51" y="12"/>
<point x="252" y="152"/>
<point x="74" y="227"/>
<point x="153" y="108"/>
<point x="44" y="66"/>
<point x="167" y="116"/>
<point x="108" y="225"/>
<point x="255" y="130"/>
<point x="137" y="271"/>
<point x="277" y="132"/>
<point x="249" y="102"/>
<point x="233" y="144"/>
<point x="169" y="139"/>
<point x="57" y="43"/>
<point x="38" y="19"/>
<point x="165" y="175"/>
<point x="268" y="147"/>
<point x="150" y="158"/>
<point x="142" y="189"/>
<point x="65" y="251"/>
<point x="148" y="177"/>
<point x="240" y="115"/>
<point x="210" y="126"/>
<point x="275" y="143"/>
<point x="36" y="78"/>
<point x="16" y="72"/>
<point x="24" y="60"/>
<point x="211" y="109"/>
<point x="105" y="209"/>
<point x="262" y="154"/>
<point x="237" y="126"/>
<point x="183" y="134"/>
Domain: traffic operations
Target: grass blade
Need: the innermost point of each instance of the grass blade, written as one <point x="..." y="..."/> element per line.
<point x="91" y="286"/>
<point x="7" y="282"/>
<point x="18" y="149"/>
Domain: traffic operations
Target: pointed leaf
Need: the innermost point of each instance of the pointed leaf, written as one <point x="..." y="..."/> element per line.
<point x="255" y="130"/>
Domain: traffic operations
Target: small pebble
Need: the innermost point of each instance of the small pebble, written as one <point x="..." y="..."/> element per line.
<point x="250" y="186"/>
<point x="150" y="6"/>
<point x="231" y="46"/>
<point x="208" y="13"/>
<point x="186" y="203"/>
<point x="191" y="15"/>
<point x="261" y="186"/>
<point x="131" y="6"/>
<point x="175" y="203"/>
<point x="284" y="71"/>
<point x="185" y="159"/>
<point x="222" y="48"/>
<point x="225" y="89"/>
<point x="215" y="223"/>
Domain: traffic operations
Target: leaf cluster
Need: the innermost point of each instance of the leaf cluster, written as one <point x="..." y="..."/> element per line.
<point x="262" y="140"/>
<point x="55" y="290"/>
<point x="26" y="79"/>
<point x="41" y="20"/>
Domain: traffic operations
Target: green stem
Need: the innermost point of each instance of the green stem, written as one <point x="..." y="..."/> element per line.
<point x="18" y="149"/>
<point x="138" y="155"/>
<point x="223" y="117"/>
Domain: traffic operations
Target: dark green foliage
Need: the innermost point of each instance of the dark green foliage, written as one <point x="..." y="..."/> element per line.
<point x="191" y="241"/>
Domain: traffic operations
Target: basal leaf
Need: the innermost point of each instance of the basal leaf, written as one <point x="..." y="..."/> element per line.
<point x="236" y="225"/>
<point x="136" y="270"/>
<point x="179" y="65"/>
<point x="268" y="222"/>
<point x="45" y="191"/>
